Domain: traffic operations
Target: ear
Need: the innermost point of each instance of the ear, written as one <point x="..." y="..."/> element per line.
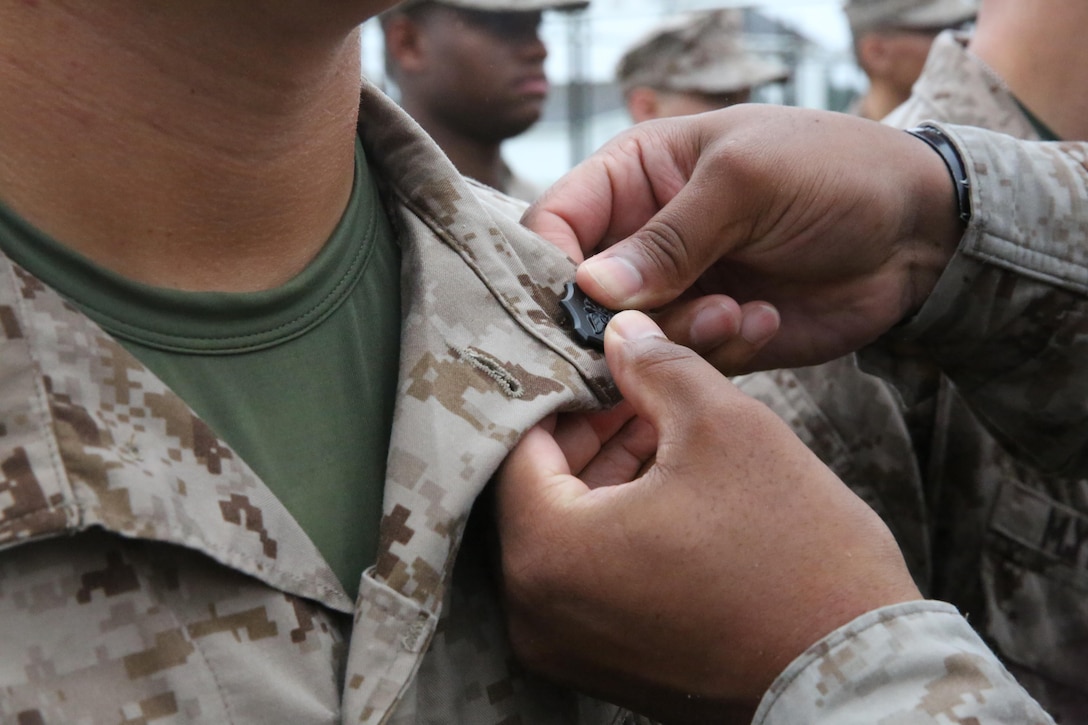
<point x="643" y="104"/>
<point x="404" y="45"/>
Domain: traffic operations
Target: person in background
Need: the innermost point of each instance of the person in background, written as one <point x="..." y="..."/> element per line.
<point x="1022" y="70"/>
<point x="471" y="72"/>
<point x="891" y="42"/>
<point x="691" y="64"/>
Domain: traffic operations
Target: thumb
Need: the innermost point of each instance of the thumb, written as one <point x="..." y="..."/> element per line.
<point x="667" y="384"/>
<point x="653" y="266"/>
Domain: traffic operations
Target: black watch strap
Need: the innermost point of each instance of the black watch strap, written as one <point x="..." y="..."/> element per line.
<point x="943" y="145"/>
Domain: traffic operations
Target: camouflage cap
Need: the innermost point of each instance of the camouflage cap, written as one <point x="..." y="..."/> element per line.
<point x="865" y="15"/>
<point x="503" y="6"/>
<point x="702" y="52"/>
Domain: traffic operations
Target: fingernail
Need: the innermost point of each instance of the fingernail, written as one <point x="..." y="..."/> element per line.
<point x="632" y="325"/>
<point x="760" y="324"/>
<point x="712" y="324"/>
<point x="617" y="277"/>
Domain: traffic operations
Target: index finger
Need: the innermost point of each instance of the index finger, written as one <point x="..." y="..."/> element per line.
<point x="610" y="195"/>
<point x="536" y="476"/>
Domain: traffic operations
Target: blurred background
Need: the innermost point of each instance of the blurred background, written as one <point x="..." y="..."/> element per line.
<point x="585" y="106"/>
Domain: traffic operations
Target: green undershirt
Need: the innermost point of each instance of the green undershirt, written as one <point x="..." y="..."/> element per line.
<point x="298" y="380"/>
<point x="1044" y="131"/>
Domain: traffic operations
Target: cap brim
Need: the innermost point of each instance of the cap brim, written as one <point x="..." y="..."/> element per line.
<point x="731" y="75"/>
<point x="506" y="6"/>
<point x="941" y="14"/>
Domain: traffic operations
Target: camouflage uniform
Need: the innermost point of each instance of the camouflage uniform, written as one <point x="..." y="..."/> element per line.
<point x="965" y="466"/>
<point x="957" y="87"/>
<point x="866" y="15"/>
<point x="147" y="575"/>
<point x="890" y="16"/>
<point x="1026" y="530"/>
<point x="701" y="52"/>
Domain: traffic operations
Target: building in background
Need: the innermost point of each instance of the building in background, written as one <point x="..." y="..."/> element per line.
<point x="585" y="107"/>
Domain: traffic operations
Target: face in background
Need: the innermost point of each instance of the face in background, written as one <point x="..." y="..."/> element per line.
<point x="480" y="74"/>
<point x="644" y="103"/>
<point x="896" y="55"/>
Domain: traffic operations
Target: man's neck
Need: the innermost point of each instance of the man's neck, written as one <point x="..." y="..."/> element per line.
<point x="879" y="100"/>
<point x="1038" y="48"/>
<point x="482" y="162"/>
<point x="182" y="145"/>
<point x="476" y="159"/>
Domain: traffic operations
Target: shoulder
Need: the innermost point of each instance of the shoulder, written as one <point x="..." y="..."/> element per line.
<point x="497" y="201"/>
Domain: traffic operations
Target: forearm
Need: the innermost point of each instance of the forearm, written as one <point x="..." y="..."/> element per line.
<point x="1008" y="319"/>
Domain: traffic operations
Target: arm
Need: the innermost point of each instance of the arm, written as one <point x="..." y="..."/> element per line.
<point x="690" y="560"/>
<point x="842" y="224"/>
<point x="1008" y="319"/>
<point x="846" y="226"/>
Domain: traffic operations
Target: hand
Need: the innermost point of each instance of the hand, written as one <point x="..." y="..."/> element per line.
<point x="842" y="224"/>
<point x="675" y="554"/>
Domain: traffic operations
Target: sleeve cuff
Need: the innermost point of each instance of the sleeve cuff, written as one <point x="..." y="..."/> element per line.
<point x="917" y="662"/>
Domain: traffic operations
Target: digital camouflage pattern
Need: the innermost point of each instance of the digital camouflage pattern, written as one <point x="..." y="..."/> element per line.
<point x="869" y="673"/>
<point x="957" y="87"/>
<point x="1010" y="515"/>
<point x="702" y="52"/>
<point x="866" y="15"/>
<point x="979" y="471"/>
<point x="505" y="6"/>
<point x="148" y="576"/>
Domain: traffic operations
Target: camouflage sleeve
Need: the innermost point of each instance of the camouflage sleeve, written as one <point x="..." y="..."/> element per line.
<point x="1008" y="320"/>
<point x="918" y="662"/>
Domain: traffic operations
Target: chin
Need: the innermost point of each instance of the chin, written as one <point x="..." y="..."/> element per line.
<point x="529" y="110"/>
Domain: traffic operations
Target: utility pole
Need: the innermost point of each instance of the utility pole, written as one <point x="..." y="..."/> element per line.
<point x="579" y="101"/>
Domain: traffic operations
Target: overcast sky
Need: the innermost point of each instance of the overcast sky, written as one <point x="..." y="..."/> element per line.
<point x="822" y="20"/>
